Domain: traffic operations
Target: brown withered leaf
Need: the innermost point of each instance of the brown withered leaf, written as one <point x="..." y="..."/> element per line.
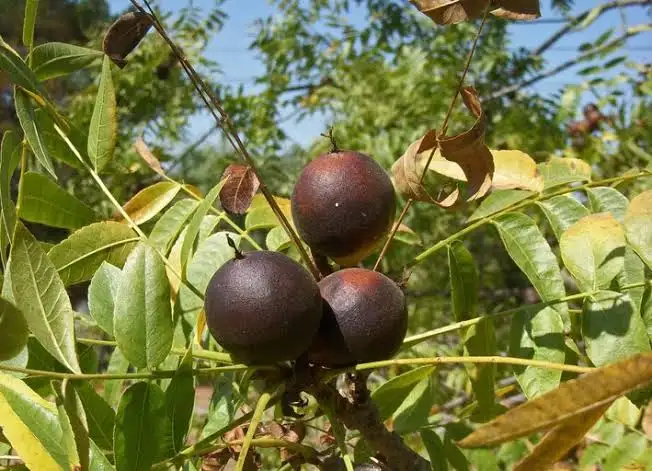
<point x="461" y="168"/>
<point x="146" y="154"/>
<point x="238" y="191"/>
<point x="124" y="35"/>
<point x="447" y="12"/>
<point x="566" y="403"/>
<point x="556" y="443"/>
<point x="407" y="169"/>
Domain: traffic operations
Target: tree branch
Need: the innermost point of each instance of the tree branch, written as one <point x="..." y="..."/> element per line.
<point x="633" y="31"/>
<point x="363" y="415"/>
<point x="568" y="27"/>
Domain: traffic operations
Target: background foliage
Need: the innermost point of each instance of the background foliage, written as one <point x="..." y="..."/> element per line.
<point x="382" y="85"/>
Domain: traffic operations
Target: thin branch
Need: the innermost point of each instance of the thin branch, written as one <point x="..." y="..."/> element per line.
<point x="261" y="406"/>
<point x="108" y="377"/>
<point x="225" y="123"/>
<point x="218" y="357"/>
<point x="481" y="222"/>
<point x="362" y="415"/>
<point x="474" y="360"/>
<point x="422" y="337"/>
<point x="633" y="31"/>
<point x="567" y="28"/>
<point x="444" y="128"/>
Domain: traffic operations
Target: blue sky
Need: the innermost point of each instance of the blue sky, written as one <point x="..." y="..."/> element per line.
<point x="229" y="48"/>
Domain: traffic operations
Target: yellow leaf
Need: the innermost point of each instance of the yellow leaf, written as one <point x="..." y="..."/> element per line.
<point x="593" y="250"/>
<point x="149" y="201"/>
<point x="563" y="170"/>
<point x="556" y="443"/>
<point x="565" y="403"/>
<point x="201" y="325"/>
<point x="638" y="226"/>
<point x="31" y="424"/>
<point x="515" y="169"/>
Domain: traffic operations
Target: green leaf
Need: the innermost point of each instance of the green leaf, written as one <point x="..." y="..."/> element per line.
<point x="624" y="412"/>
<point x="627" y="450"/>
<point x="142" y="321"/>
<point x="9" y="156"/>
<point x="211" y="254"/>
<point x="47" y="203"/>
<point x="646" y="311"/>
<point x="31" y="424"/>
<point x="41" y="294"/>
<point x="98" y="462"/>
<point x="480" y="340"/>
<point x="44" y="140"/>
<point x="101" y="294"/>
<point x="537" y="335"/>
<point x="530" y="251"/>
<point x="633" y="272"/>
<point x="497" y="201"/>
<point x="277" y="239"/>
<point x="638" y="226"/>
<point x="390" y="395"/>
<point x="605" y="199"/>
<point x="78" y="257"/>
<point x="612" y="328"/>
<point x="179" y="405"/>
<point x="18" y="71"/>
<point x="34" y="130"/>
<point x="261" y="216"/>
<point x="75" y="433"/>
<point x="563" y="170"/>
<point x="193" y="227"/>
<point x="19" y="361"/>
<point x="13" y="330"/>
<point x="562" y="212"/>
<point x="222" y="408"/>
<point x="464" y="281"/>
<point x="99" y="415"/>
<point x="118" y="364"/>
<point x="593" y="250"/>
<point x="103" y="130"/>
<point x="150" y="201"/>
<point x="415" y="408"/>
<point x="169" y="226"/>
<point x="31" y="6"/>
<point x="139" y="427"/>
<point x="51" y="60"/>
<point x="435" y="449"/>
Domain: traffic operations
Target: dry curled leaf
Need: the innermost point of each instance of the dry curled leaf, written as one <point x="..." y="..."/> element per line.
<point x="239" y="190"/>
<point x="124" y="35"/>
<point x="446" y="12"/>
<point x="566" y="404"/>
<point x="461" y="168"/>
<point x="146" y="154"/>
<point x="556" y="443"/>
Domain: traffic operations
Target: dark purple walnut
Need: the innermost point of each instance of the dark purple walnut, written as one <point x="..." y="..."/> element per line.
<point x="263" y="307"/>
<point x="343" y="205"/>
<point x="365" y="319"/>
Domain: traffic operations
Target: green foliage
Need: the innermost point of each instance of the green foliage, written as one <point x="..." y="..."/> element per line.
<point x="562" y="284"/>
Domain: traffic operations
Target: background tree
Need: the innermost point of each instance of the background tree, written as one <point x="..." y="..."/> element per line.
<point x="503" y="305"/>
